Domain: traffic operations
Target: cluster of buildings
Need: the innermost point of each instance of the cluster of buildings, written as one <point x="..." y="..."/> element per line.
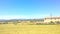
<point x="53" y="19"/>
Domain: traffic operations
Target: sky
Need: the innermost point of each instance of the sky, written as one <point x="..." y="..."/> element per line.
<point x="27" y="9"/>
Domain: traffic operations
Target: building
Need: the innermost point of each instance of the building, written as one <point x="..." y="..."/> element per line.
<point x="53" y="19"/>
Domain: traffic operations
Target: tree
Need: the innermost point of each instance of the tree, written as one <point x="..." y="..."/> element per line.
<point x="51" y="22"/>
<point x="57" y="22"/>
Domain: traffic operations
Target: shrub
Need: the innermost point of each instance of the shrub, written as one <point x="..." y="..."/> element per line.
<point x="51" y="22"/>
<point x="15" y="23"/>
<point x="38" y="23"/>
<point x="57" y="22"/>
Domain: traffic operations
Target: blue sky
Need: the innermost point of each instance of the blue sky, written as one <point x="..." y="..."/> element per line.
<point x="26" y="9"/>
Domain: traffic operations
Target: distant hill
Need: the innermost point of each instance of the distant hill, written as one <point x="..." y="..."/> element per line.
<point x="2" y="20"/>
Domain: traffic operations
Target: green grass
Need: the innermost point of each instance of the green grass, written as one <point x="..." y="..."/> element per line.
<point x="29" y="29"/>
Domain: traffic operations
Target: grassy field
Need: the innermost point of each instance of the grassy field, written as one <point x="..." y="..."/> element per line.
<point x="29" y="29"/>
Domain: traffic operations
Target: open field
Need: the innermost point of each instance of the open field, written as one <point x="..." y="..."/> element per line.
<point x="29" y="29"/>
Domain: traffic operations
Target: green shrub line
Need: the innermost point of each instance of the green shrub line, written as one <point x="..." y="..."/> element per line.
<point x="50" y="23"/>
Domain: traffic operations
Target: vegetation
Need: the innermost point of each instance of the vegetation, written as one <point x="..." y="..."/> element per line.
<point x="32" y="22"/>
<point x="57" y="22"/>
<point x="51" y="22"/>
<point x="29" y="29"/>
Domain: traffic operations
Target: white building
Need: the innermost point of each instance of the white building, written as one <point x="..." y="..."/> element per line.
<point x="53" y="19"/>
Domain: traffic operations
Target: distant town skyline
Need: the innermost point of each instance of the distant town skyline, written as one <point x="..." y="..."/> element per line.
<point x="27" y="9"/>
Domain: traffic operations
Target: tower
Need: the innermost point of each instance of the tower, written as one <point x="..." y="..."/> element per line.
<point x="51" y="16"/>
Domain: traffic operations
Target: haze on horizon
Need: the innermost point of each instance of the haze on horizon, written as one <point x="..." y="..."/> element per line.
<point x="27" y="9"/>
